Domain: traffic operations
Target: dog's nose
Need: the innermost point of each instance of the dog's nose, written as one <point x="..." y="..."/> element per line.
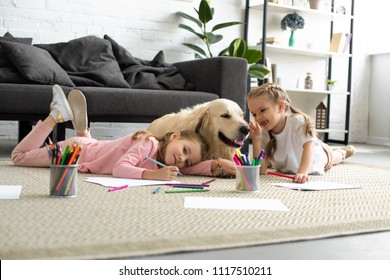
<point x="244" y="129"/>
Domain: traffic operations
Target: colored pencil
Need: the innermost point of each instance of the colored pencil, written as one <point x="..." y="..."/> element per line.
<point x="280" y="175"/>
<point x="208" y="182"/>
<point x="184" y="185"/>
<point x="188" y="187"/>
<point x="185" y="191"/>
<point x="118" y="188"/>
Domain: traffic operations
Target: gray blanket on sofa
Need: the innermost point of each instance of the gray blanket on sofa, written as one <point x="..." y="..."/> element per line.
<point x="154" y="74"/>
<point x="88" y="61"/>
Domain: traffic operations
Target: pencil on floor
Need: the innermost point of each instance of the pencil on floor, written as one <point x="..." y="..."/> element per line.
<point x="185" y="191"/>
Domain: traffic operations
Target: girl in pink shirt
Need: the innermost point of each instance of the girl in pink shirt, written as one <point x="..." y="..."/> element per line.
<point x="125" y="157"/>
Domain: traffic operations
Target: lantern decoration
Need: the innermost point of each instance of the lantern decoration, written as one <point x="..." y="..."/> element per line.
<point x="321" y="113"/>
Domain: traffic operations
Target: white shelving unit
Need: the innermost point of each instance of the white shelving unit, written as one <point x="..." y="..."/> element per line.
<point x="303" y="58"/>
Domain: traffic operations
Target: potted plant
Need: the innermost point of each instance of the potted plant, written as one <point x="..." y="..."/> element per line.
<point x="237" y="48"/>
<point x="294" y="22"/>
<point x="330" y="84"/>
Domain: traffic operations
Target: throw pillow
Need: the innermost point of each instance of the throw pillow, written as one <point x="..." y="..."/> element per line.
<point x="12" y="75"/>
<point x="35" y="64"/>
<point x="27" y="41"/>
<point x="8" y="73"/>
<point x="89" y="61"/>
<point x="9" y="38"/>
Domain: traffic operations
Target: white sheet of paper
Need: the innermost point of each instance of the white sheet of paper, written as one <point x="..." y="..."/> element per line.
<point x="316" y="186"/>
<point x="10" y="191"/>
<point x="229" y="203"/>
<point x="116" y="182"/>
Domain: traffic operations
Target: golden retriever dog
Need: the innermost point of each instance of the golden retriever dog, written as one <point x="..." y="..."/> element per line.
<point x="220" y="122"/>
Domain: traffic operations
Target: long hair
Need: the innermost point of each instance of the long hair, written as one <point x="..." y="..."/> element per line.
<point x="276" y="94"/>
<point x="163" y="141"/>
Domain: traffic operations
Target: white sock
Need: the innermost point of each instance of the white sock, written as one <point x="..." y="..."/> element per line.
<point x="54" y="113"/>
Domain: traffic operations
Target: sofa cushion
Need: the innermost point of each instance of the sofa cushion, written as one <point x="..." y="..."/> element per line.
<point x="148" y="74"/>
<point x="35" y="64"/>
<point x="8" y="73"/>
<point x="89" y="61"/>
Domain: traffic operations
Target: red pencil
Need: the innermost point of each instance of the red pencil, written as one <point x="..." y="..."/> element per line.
<point x="280" y="175"/>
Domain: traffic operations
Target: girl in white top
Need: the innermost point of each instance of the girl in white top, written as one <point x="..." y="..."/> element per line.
<point x="288" y="136"/>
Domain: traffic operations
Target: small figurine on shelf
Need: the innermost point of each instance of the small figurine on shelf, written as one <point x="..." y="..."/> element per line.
<point x="321" y="114"/>
<point x="308" y="81"/>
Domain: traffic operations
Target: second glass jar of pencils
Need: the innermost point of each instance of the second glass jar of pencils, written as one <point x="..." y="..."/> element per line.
<point x="247" y="178"/>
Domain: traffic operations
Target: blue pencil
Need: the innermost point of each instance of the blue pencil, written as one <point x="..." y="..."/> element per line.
<point x="159" y="163"/>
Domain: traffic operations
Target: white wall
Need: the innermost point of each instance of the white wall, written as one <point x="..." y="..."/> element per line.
<point x="379" y="117"/>
<point x="145" y="27"/>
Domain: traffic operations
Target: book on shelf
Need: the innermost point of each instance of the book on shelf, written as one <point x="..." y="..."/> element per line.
<point x="347" y="42"/>
<point x="340" y="42"/>
<point x="269" y="40"/>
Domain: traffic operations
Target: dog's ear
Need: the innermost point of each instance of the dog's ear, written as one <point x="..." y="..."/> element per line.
<point x="202" y="123"/>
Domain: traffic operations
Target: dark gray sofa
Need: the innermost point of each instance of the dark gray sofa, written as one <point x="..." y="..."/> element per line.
<point x="212" y="78"/>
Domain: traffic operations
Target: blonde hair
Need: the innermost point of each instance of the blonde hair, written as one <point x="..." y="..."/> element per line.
<point x="163" y="141"/>
<point x="276" y="94"/>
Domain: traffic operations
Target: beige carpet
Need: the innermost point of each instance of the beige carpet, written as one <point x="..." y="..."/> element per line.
<point x="134" y="222"/>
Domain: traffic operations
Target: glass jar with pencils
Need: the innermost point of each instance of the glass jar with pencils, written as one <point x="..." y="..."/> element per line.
<point x="63" y="170"/>
<point x="63" y="180"/>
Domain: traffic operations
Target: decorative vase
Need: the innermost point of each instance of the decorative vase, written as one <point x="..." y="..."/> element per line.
<point x="330" y="87"/>
<point x="314" y="4"/>
<point x="291" y="41"/>
<point x="308" y="81"/>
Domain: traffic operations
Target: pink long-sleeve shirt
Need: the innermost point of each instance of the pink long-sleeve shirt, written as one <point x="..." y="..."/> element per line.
<point x="126" y="158"/>
<point x="123" y="157"/>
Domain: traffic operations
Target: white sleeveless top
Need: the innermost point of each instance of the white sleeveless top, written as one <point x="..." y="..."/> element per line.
<point x="289" y="148"/>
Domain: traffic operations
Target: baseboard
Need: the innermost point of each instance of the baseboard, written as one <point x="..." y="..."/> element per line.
<point x="378" y="141"/>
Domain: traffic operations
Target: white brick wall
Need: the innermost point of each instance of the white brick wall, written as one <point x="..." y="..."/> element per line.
<point x="143" y="27"/>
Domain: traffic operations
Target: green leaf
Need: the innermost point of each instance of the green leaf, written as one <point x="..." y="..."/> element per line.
<point x="195" y="48"/>
<point x="253" y="56"/>
<point x="237" y="48"/>
<point x="225" y="24"/>
<point x="213" y="38"/>
<point x="188" y="28"/>
<point x="224" y="52"/>
<point x="258" y="71"/>
<point x="205" y="13"/>
<point x="191" y="18"/>
<point x="197" y="56"/>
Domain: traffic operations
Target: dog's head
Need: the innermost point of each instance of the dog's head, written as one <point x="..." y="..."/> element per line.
<point x="223" y="119"/>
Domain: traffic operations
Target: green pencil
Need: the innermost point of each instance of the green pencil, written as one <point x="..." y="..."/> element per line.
<point x="185" y="191"/>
